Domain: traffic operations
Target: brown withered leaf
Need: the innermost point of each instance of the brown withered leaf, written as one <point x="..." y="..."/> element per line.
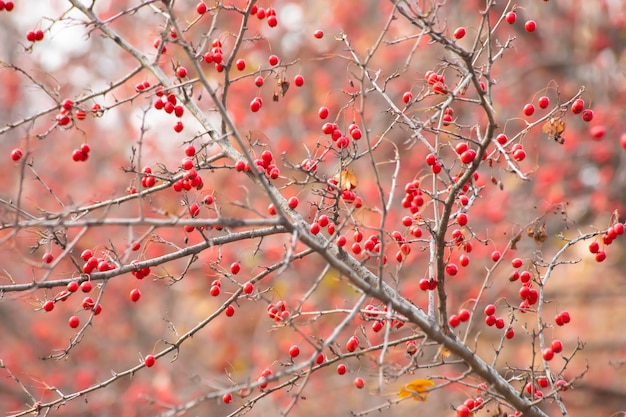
<point x="538" y="233"/>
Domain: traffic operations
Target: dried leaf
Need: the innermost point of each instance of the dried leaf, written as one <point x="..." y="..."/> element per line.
<point x="445" y="352"/>
<point x="416" y="389"/>
<point x="538" y="233"/>
<point x="346" y="179"/>
<point x="554" y="128"/>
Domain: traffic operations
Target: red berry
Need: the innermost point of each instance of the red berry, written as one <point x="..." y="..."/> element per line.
<point x="315" y="228"/>
<point x="215" y="290"/>
<point x="48" y="305"/>
<point x="510" y="17"/>
<point x="359" y="383"/>
<point x="194" y="209"/>
<point x="74" y="321"/>
<point x="464" y="315"/>
<point x="597" y="132"/>
<point x="235" y="267"/>
<point x="529" y="109"/>
<point x="459" y="33"/>
<point x="510" y="333"/>
<point x="587" y="115"/>
<point x="248" y="288"/>
<point x="227" y="398"/>
<point x="241" y="64"/>
<point x="16" y="154"/>
<point x="452" y="269"/>
<point x="149" y="361"/>
<point x="273" y="60"/>
<point x="341" y="369"/>
<point x="490" y="310"/>
<point x="543" y="102"/>
<point x="318" y="34"/>
<point x="530" y="26"/>
<point x="294" y="351"/>
<point x="600" y="256"/>
<point x="181" y="72"/>
<point x="230" y="311"/>
<point x="86" y="286"/>
<point x="255" y="104"/>
<point x="201" y="8"/>
<point x="556" y="346"/>
<point x="461" y="219"/>
<point x="578" y="106"/>
<point x="135" y="295"/>
<point x="72" y="286"/>
<point x="547" y="354"/>
<point x="47" y="257"/>
<point x="178" y="127"/>
<point x="462" y="411"/>
<point x="594" y="247"/>
<point x="259" y="81"/>
<point x="496" y="255"/>
<point x="490" y="320"/>
<point x="298" y="80"/>
<point x="454" y="320"/>
<point x="293" y="202"/>
<point x="272" y="21"/>
<point x="88" y="303"/>
<point x="516" y="263"/>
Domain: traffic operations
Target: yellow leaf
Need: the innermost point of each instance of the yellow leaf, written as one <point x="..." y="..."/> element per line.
<point x="416" y="389"/>
<point x="346" y="179"/>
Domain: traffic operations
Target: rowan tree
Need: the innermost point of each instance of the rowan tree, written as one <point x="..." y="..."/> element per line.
<point x="261" y="207"/>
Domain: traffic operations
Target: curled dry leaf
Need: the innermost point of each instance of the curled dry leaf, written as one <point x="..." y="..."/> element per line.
<point x="416" y="389"/>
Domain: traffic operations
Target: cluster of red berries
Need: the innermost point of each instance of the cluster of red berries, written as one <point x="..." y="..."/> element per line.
<point x="413" y="199"/>
<point x="543" y="382"/>
<point x="34" y="35"/>
<point x="170" y="105"/>
<point x="461" y="317"/>
<point x="278" y="311"/>
<point x="147" y="180"/>
<point x="6" y="5"/>
<point x="65" y="115"/>
<point x="492" y="320"/>
<point x="607" y="238"/>
<point x="336" y="135"/>
<point x="324" y="222"/>
<point x="404" y="249"/>
<point x="469" y="406"/>
<point x="261" y="13"/>
<point x="141" y="273"/>
<point x="82" y="153"/>
<point x="93" y="263"/>
<point x="191" y="178"/>
<point x="215" y="55"/>
<point x="555" y="347"/>
<point x="431" y="160"/>
<point x="263" y="164"/>
<point x="371" y="247"/>
<point x="372" y="313"/>
<point x="437" y="82"/>
<point x="465" y="153"/>
<point x="427" y="284"/>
